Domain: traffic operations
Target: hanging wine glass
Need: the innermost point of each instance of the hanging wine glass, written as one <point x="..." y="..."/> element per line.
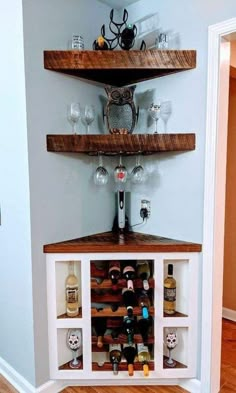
<point x="101" y="175"/>
<point x="138" y="173"/>
<point x="74" y="342"/>
<point x="120" y="172"/>
<point x="155" y="113"/>
<point x="166" y="110"/>
<point x="88" y="116"/>
<point x="170" y="340"/>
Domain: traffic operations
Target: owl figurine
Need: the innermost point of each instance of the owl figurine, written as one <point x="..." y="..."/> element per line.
<point x="120" y="111"/>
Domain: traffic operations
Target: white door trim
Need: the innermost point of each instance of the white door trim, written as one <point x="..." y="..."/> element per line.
<point x="214" y="205"/>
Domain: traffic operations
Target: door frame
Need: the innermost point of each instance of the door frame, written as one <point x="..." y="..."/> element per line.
<point x="214" y="201"/>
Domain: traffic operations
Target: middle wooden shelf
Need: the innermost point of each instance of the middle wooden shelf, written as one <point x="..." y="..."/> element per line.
<point x="115" y="144"/>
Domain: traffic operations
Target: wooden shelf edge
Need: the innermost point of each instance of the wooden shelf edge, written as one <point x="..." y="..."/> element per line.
<point x="113" y="144"/>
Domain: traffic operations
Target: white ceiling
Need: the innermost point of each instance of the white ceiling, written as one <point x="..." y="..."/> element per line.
<point x="118" y="3"/>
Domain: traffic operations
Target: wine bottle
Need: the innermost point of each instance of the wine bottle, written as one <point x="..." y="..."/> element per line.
<point x="115" y="356"/>
<point x="144" y="303"/>
<point x="72" y="292"/>
<point x="100" y="326"/>
<point x="129" y="299"/>
<point x="128" y="328"/>
<point x="129" y="274"/>
<point x="114" y="273"/>
<point x="143" y="325"/>
<point x="100" y="44"/>
<point x="130" y="352"/>
<point x="143" y="357"/>
<point x="143" y="272"/>
<point x="169" y="292"/>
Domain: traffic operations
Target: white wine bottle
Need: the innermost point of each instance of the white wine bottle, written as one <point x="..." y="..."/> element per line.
<point x="143" y="272"/>
<point x="115" y="357"/>
<point x="169" y="292"/>
<point x="72" y="292"/>
<point x="143" y="357"/>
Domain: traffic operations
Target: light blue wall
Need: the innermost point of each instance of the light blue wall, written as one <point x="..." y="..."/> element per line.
<point x="16" y="327"/>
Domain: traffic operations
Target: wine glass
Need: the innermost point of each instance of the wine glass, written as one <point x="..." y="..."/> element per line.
<point x="101" y="175"/>
<point x="88" y="115"/>
<point x="155" y="113"/>
<point x="74" y="341"/>
<point x="166" y="110"/>
<point x="138" y="173"/>
<point x="120" y="173"/>
<point x="73" y="114"/>
<point x="171" y="340"/>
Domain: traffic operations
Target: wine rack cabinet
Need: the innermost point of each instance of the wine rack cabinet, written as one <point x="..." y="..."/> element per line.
<point x="96" y="302"/>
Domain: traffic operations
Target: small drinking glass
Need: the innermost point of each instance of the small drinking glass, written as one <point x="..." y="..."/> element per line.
<point x="74" y="342"/>
<point x="101" y="175"/>
<point x="88" y="115"/>
<point x="170" y="340"/>
<point x="120" y="172"/>
<point x="73" y="114"/>
<point x="138" y="173"/>
<point x="155" y="113"/>
<point x="166" y="110"/>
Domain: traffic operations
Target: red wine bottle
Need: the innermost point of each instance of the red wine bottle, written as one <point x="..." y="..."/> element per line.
<point x="143" y="325"/>
<point x="144" y="303"/>
<point x="114" y="273"/>
<point x="129" y="299"/>
<point x="129" y="274"/>
<point x="128" y="328"/>
<point x="130" y="353"/>
<point x="115" y="357"/>
<point x="100" y="326"/>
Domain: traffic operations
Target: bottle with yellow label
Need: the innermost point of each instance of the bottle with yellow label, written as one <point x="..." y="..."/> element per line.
<point x="144" y="357"/>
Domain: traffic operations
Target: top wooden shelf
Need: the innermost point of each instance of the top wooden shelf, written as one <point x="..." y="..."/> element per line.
<point x="128" y="242"/>
<point x="119" y="67"/>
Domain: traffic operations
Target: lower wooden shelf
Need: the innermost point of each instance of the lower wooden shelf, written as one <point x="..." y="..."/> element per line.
<point x="107" y="366"/>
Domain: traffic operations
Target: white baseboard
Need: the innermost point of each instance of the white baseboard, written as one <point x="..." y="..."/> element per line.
<point x="229" y="314"/>
<point x="192" y="385"/>
<point x="22" y="385"/>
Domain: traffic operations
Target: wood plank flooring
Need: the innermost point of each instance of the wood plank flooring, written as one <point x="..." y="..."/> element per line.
<point x="228" y="372"/>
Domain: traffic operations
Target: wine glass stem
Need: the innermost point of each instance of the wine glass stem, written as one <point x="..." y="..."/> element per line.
<point x="87" y="128"/>
<point x="156" y="132"/>
<point x="165" y="127"/>
<point x="74" y="128"/>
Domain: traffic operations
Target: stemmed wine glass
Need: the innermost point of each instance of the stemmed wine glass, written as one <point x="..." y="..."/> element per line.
<point x="120" y="172"/>
<point x="166" y="110"/>
<point x="88" y="115"/>
<point x="155" y="113"/>
<point x="73" y="114"/>
<point x="101" y="175"/>
<point x="74" y="341"/>
<point x="171" y="340"/>
<point x="138" y="172"/>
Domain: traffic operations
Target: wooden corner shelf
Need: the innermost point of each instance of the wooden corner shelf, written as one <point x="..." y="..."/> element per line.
<point x="113" y="144"/>
<point x="119" y="67"/>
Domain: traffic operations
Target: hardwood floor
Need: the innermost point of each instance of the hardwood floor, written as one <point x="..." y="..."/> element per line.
<point x="228" y="372"/>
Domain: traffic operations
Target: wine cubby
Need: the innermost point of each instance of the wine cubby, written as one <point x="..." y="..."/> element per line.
<point x="61" y="273"/>
<point x="65" y="353"/>
<point x="102" y="307"/>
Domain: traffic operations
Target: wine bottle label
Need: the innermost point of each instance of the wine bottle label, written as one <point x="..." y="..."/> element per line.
<point x="72" y="294"/>
<point x="142" y="348"/>
<point x="145" y="285"/>
<point x="130" y="284"/>
<point x="169" y="294"/>
<point x="128" y="269"/>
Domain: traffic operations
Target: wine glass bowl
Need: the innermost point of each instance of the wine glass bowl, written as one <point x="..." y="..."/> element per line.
<point x="120" y="173"/>
<point x="101" y="175"/>
<point x="88" y="116"/>
<point x="166" y="111"/>
<point x="155" y="113"/>
<point x="138" y="173"/>
<point x="73" y="114"/>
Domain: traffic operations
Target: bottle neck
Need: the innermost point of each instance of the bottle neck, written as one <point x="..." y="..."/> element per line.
<point x="71" y="268"/>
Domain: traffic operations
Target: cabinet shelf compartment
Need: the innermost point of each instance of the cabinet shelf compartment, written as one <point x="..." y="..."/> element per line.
<point x="65" y="354"/>
<point x="113" y="144"/>
<point x="180" y="354"/>
<point x="61" y="272"/>
<point x="181" y="275"/>
<point x="119" y="68"/>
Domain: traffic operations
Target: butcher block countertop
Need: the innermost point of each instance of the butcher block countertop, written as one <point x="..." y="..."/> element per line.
<point x="127" y="242"/>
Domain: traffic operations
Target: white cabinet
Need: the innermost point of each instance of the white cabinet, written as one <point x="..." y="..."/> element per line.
<point x="95" y="367"/>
